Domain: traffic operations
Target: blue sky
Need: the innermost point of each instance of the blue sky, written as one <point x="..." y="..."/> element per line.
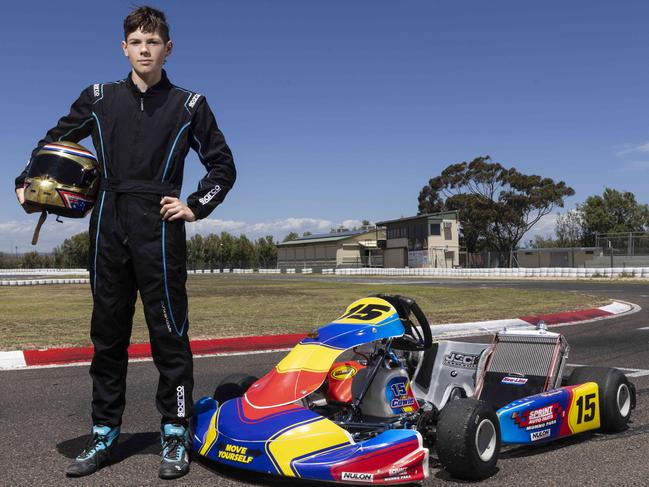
<point x="340" y="111"/>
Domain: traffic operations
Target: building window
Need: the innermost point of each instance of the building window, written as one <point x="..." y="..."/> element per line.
<point x="435" y="229"/>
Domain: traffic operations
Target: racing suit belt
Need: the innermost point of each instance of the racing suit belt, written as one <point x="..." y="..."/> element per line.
<point x="140" y="187"/>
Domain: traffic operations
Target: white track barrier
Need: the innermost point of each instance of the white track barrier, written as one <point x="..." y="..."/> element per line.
<point x="43" y="282"/>
<point x="43" y="272"/>
<point x="550" y="273"/>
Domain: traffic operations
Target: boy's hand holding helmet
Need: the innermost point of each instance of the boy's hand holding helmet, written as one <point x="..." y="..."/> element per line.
<point x="63" y="178"/>
<point x="20" y="194"/>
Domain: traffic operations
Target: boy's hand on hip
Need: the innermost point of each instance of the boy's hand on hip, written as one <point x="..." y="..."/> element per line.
<point x="174" y="209"/>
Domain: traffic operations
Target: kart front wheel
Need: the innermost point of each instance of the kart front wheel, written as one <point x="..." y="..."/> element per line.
<point x="616" y="395"/>
<point x="233" y="385"/>
<point x="468" y="439"/>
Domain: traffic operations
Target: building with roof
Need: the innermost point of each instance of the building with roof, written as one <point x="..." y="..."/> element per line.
<point x="356" y="248"/>
<point x="429" y="240"/>
<point x="561" y="257"/>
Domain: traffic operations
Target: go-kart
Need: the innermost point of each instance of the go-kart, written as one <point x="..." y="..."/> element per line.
<point x="363" y="398"/>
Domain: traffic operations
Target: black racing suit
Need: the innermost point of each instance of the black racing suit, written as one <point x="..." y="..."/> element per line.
<point x="141" y="140"/>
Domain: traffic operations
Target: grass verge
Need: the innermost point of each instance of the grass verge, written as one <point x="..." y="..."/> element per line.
<point x="222" y="306"/>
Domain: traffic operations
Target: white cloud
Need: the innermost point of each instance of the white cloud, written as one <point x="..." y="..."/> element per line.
<point x="634" y="149"/>
<point x="13" y="228"/>
<point x="544" y="227"/>
<point x="276" y="228"/>
<point x="19" y="233"/>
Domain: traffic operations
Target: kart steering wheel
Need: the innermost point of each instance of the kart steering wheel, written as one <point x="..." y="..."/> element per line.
<point x="413" y="339"/>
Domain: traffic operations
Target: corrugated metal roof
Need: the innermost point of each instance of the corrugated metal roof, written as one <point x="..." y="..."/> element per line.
<point x="425" y="215"/>
<point x="326" y="237"/>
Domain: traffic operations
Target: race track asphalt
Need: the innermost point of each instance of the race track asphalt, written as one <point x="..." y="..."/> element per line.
<point x="44" y="414"/>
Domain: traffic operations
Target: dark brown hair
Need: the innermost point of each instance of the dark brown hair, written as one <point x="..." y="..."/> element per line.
<point x="149" y="19"/>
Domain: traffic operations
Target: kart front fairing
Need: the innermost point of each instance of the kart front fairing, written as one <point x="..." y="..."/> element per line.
<point x="293" y="441"/>
<point x="305" y="368"/>
<point x="268" y="431"/>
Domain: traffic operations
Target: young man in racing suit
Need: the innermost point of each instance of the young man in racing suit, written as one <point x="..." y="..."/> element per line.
<point x="142" y="128"/>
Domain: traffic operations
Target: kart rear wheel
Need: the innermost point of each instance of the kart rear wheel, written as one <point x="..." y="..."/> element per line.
<point x="616" y="395"/>
<point x="233" y="385"/>
<point x="468" y="439"/>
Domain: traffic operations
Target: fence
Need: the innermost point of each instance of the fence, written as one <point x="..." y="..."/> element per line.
<point x="488" y="259"/>
<point x="628" y="243"/>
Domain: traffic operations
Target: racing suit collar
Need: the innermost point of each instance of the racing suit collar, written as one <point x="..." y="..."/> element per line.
<point x="162" y="85"/>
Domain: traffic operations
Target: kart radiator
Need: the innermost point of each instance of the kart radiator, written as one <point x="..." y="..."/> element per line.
<point x="521" y="365"/>
<point x="528" y="355"/>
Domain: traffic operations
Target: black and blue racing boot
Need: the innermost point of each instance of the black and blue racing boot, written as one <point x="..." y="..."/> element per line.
<point x="98" y="453"/>
<point x="175" y="451"/>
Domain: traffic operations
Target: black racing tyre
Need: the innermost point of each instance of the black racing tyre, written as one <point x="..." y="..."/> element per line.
<point x="616" y="395"/>
<point x="233" y="385"/>
<point x="468" y="439"/>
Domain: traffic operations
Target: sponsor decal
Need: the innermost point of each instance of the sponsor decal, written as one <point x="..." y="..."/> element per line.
<point x="463" y="360"/>
<point x="357" y="477"/>
<point x="95" y="89"/>
<point x="235" y="453"/>
<point x="514" y="381"/>
<point x="551" y="393"/>
<point x="397" y="477"/>
<point x="539" y="435"/>
<point x="165" y="315"/>
<point x="538" y="418"/>
<point x="180" y="397"/>
<point x="343" y="372"/>
<point x="211" y="194"/>
<point x="401" y="403"/>
<point x="194" y="99"/>
<point x="75" y="201"/>
<point x="398" y="473"/>
<point x="400" y="395"/>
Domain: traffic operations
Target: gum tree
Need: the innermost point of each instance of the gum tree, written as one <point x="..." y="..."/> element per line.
<point x="497" y="205"/>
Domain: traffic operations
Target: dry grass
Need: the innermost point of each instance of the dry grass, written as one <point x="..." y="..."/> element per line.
<point x="220" y="306"/>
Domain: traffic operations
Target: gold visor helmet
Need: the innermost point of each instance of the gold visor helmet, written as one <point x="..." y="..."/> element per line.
<point x="63" y="179"/>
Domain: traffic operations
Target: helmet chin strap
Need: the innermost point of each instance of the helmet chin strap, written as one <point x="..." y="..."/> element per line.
<point x="37" y="230"/>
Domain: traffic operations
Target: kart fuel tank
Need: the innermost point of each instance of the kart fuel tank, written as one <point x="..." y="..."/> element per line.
<point x="388" y="396"/>
<point x="339" y="380"/>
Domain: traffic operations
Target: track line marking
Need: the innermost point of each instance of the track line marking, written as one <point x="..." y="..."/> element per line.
<point x="149" y="359"/>
<point x="633" y="372"/>
<point x="644" y="328"/>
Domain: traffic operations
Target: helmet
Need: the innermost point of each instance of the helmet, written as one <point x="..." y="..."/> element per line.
<point x="63" y="178"/>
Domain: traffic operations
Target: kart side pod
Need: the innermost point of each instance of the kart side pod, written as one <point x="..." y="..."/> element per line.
<point x="550" y="415"/>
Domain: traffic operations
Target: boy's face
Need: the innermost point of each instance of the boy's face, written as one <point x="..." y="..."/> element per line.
<point x="146" y="51"/>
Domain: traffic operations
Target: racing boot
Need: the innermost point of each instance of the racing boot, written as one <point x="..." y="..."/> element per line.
<point x="98" y="453"/>
<point x="175" y="451"/>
